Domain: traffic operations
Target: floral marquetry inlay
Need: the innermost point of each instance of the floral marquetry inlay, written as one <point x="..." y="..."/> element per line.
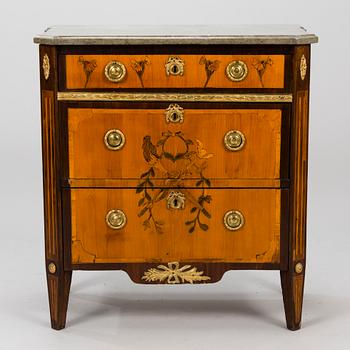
<point x="174" y="274"/>
<point x="139" y="67"/>
<point x="210" y="68"/>
<point x="88" y="67"/>
<point x="190" y="159"/>
<point x="261" y="66"/>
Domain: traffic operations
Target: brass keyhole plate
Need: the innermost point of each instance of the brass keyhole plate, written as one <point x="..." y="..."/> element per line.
<point x="174" y="114"/>
<point x="176" y="200"/>
<point x="174" y="66"/>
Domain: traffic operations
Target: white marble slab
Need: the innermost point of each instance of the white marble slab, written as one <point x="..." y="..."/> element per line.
<point x="160" y="35"/>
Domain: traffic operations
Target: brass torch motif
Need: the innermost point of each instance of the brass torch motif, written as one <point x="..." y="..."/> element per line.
<point x="174" y="274"/>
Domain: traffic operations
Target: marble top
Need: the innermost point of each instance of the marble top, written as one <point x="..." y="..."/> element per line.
<point x="188" y="34"/>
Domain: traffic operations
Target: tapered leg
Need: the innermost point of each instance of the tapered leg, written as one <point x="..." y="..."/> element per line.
<point x="293" y="291"/>
<point x="58" y="280"/>
<point x="292" y="280"/>
<point x="59" y="287"/>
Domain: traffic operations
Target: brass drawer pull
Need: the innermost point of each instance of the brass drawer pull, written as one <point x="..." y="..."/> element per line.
<point x="174" y="114"/>
<point x="237" y="71"/>
<point x="114" y="139"/>
<point x="115" y="71"/>
<point x="233" y="220"/>
<point x="116" y="219"/>
<point x="234" y="140"/>
<point x="174" y="66"/>
<point x="176" y="200"/>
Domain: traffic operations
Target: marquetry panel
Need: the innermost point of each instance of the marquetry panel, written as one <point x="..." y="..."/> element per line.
<point x="49" y="175"/>
<point x="154" y="232"/>
<point x="300" y="174"/>
<point x="199" y="71"/>
<point x="174" y="150"/>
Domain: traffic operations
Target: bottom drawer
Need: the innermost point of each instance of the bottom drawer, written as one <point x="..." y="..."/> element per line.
<point x="162" y="225"/>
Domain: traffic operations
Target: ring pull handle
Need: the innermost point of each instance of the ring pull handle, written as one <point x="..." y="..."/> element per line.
<point x="233" y="220"/>
<point x="114" y="139"/>
<point x="174" y="114"/>
<point x="234" y="140"/>
<point x="115" y="71"/>
<point x="236" y="71"/>
<point x="116" y="219"/>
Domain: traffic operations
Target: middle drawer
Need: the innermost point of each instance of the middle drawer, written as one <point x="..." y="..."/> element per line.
<point x="174" y="144"/>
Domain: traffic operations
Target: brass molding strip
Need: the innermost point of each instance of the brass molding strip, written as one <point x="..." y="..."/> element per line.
<point x="122" y="96"/>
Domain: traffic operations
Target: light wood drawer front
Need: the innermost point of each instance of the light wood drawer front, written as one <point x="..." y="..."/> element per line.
<point x="149" y="71"/>
<point x="257" y="241"/>
<point x="174" y="151"/>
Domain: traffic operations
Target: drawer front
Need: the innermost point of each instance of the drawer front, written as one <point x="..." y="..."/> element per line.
<point x="167" y="71"/>
<point x="120" y="225"/>
<point x="213" y="144"/>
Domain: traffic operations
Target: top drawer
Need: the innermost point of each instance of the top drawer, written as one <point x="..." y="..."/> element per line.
<point x="174" y="71"/>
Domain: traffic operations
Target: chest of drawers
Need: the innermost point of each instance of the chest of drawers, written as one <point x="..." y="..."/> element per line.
<point x="175" y="154"/>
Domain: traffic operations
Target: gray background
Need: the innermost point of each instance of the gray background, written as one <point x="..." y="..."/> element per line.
<point x="108" y="311"/>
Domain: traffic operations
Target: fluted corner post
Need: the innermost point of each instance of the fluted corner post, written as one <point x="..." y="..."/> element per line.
<point x="58" y="280"/>
<point x="292" y="279"/>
